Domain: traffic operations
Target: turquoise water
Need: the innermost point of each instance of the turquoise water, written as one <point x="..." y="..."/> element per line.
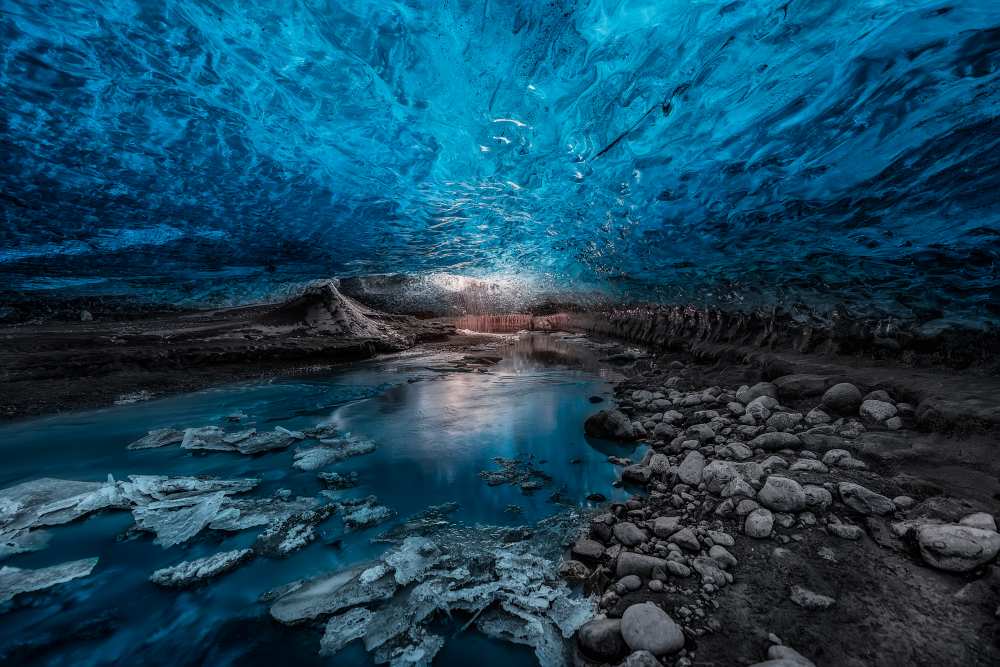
<point x="435" y="428"/>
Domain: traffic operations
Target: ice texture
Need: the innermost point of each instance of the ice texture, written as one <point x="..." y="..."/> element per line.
<point x="757" y="153"/>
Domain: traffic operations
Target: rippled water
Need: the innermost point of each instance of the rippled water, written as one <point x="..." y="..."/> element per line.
<point x="435" y="430"/>
<point x="751" y="152"/>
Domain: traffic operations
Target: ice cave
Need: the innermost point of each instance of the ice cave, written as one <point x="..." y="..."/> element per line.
<point x="590" y="333"/>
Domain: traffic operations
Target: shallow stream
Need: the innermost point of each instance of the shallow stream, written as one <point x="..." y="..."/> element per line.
<point x="437" y="423"/>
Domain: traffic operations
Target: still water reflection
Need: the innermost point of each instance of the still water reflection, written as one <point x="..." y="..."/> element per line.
<point x="437" y="422"/>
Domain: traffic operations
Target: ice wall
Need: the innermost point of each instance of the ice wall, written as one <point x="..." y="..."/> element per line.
<point x="749" y="153"/>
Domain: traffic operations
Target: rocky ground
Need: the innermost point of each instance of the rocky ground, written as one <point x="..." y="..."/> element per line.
<point x="774" y="515"/>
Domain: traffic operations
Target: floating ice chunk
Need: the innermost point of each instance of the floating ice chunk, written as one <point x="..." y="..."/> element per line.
<point x="365" y="513"/>
<point x="293" y="532"/>
<point x="14" y="580"/>
<point x="332" y="451"/>
<point x="23" y="541"/>
<point x="161" y="437"/>
<point x="267" y="442"/>
<point x="194" y="572"/>
<point x="144" y="489"/>
<point x="413" y="559"/>
<point x="253" y="512"/>
<point x="297" y="435"/>
<point x="206" y="437"/>
<point x="178" y="520"/>
<point x="416" y="648"/>
<point x="331" y="593"/>
<point x="343" y="629"/>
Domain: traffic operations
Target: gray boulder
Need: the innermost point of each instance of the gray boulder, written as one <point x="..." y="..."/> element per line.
<point x="957" y="548"/>
<point x="842" y="399"/>
<point x="602" y="638"/>
<point x="864" y="501"/>
<point x="646" y="627"/>
<point x="782" y="495"/>
<point x="610" y="425"/>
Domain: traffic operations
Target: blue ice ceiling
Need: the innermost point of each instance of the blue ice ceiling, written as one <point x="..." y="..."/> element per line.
<point x="829" y="153"/>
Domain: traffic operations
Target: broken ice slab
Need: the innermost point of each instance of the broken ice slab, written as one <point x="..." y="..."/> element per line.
<point x="415" y="648"/>
<point x="428" y="521"/>
<point x="176" y="521"/>
<point x="52" y="502"/>
<point x="293" y="532"/>
<point x="161" y="437"/>
<point x="331" y="593"/>
<point x="279" y="438"/>
<point x="14" y="580"/>
<point x="206" y="437"/>
<point x="332" y="451"/>
<point x="364" y="513"/>
<point x="253" y="512"/>
<point x="341" y="630"/>
<point x="143" y="489"/>
<point x="339" y="481"/>
<point x="194" y="572"/>
<point x="23" y="541"/>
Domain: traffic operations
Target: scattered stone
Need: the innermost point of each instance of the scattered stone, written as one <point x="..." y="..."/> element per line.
<point x="686" y="539"/>
<point x="665" y="526"/>
<point x="638" y="564"/>
<point x="629" y="534"/>
<point x="610" y="425"/>
<point x="574" y="570"/>
<point x="759" y="524"/>
<point x="776" y="441"/>
<point x="957" y="548"/>
<point x="807" y="599"/>
<point x="842" y="399"/>
<point x="809" y="465"/>
<point x="747" y="394"/>
<point x="588" y="550"/>
<point x="691" y="467"/>
<point x="981" y="520"/>
<point x="877" y="412"/>
<point x="782" y="495"/>
<point x="646" y="627"/>
<point x="864" y="501"/>
<point x="845" y="531"/>
<point x="602" y="638"/>
<point x="339" y="481"/>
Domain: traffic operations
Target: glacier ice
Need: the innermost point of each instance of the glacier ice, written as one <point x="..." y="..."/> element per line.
<point x="750" y="153"/>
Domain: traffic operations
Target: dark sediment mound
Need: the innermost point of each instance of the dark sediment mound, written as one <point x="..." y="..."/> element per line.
<point x="59" y="365"/>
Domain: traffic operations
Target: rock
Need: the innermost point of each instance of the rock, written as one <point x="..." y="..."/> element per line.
<point x="877" y="412"/>
<point x="638" y="474"/>
<point x="194" y="572"/>
<point x="710" y="571"/>
<point x="638" y="564"/>
<point x="339" y="481"/>
<point x="903" y="502"/>
<point x="864" y="501"/>
<point x="602" y="638"/>
<point x="703" y="433"/>
<point x="610" y="425"/>
<point x="845" y="531"/>
<point x="774" y="463"/>
<point x="15" y="580"/>
<point x="685" y="539"/>
<point x="646" y="627"/>
<point x="879" y="395"/>
<point x="759" y="523"/>
<point x="678" y="569"/>
<point x="782" y="495"/>
<point x="629" y="534"/>
<point x="809" y="465"/>
<point x="817" y="416"/>
<point x="665" y="526"/>
<point x="817" y="498"/>
<point x="784" y="421"/>
<point x="738" y="487"/>
<point x="807" y="599"/>
<point x="722" y="538"/>
<point x="691" y="468"/>
<point x="574" y="570"/>
<point x="748" y="394"/>
<point x="783" y="656"/>
<point x="835" y="457"/>
<point x="735" y="450"/>
<point x="776" y="441"/>
<point x="717" y="474"/>
<point x="981" y="520"/>
<point x="161" y="437"/>
<point x="842" y="399"/>
<point x="641" y="659"/>
<point x="801" y="385"/>
<point x="722" y="556"/>
<point x="588" y="550"/>
<point x="659" y="464"/>
<point x="893" y="423"/>
<point x="957" y="548"/>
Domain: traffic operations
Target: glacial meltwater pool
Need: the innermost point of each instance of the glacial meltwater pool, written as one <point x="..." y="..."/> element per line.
<point x="436" y="425"/>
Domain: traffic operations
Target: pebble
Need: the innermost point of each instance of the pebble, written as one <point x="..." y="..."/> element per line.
<point x="843" y="398"/>
<point x="863" y="500"/>
<point x="686" y="539"/>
